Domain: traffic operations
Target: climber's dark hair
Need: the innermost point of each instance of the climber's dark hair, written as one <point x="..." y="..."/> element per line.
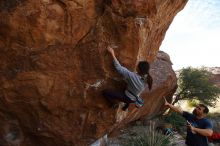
<point x="144" y="67"/>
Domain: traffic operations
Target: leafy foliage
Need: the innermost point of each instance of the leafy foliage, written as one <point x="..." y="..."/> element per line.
<point x="195" y="84"/>
<point x="175" y="119"/>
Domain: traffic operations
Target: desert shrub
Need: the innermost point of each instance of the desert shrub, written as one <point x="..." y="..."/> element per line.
<point x="150" y="138"/>
<point x="175" y="119"/>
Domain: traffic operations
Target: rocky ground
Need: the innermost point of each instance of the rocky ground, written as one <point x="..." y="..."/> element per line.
<point x="139" y="129"/>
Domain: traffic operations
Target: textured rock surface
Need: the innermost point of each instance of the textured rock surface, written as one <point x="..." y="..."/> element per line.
<point x="53" y="66"/>
<point x="215" y="75"/>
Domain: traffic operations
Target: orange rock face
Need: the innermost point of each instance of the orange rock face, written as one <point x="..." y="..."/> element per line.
<point x="54" y="65"/>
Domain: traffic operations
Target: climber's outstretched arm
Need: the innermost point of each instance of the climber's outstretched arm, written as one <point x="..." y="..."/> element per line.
<point x="121" y="69"/>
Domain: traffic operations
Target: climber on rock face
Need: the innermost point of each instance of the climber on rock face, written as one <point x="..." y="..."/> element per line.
<point x="136" y="83"/>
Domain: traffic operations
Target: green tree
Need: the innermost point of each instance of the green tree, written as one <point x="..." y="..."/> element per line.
<point x="195" y="84"/>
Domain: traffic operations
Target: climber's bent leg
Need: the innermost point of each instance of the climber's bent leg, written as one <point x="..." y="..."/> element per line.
<point x="112" y="96"/>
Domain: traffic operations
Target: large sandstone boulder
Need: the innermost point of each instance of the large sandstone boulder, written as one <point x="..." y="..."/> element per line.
<point x="54" y="65"/>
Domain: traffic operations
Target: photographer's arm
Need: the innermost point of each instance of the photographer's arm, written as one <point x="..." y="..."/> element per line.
<point x="174" y="108"/>
<point x="204" y="132"/>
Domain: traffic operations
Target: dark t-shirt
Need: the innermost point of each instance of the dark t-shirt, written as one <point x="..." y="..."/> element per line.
<point x="196" y="139"/>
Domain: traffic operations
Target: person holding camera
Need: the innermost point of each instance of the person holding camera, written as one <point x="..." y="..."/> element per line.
<point x="198" y="127"/>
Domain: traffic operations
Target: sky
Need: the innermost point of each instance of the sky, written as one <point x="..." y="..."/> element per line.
<point x="193" y="38"/>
